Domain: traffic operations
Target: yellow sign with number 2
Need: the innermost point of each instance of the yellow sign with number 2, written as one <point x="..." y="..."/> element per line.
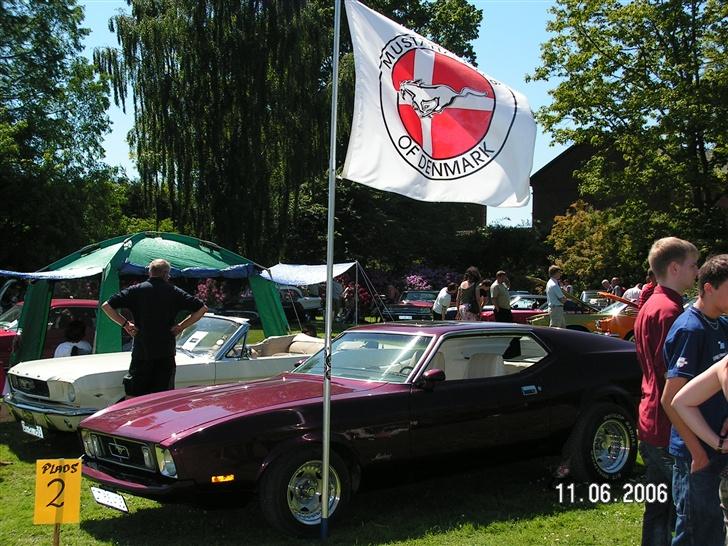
<point x="57" y="491"/>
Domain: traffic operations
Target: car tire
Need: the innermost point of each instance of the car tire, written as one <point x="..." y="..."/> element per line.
<point x="603" y="444"/>
<point x="289" y="491"/>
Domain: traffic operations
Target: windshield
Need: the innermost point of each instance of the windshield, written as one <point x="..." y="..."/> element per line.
<point x="206" y="335"/>
<point x="419" y="295"/>
<point x="525" y="302"/>
<point x="9" y="319"/>
<point x="614" y="308"/>
<point x="371" y="356"/>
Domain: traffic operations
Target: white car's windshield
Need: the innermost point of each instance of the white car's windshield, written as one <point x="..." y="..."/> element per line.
<point x="206" y="335"/>
<point x="370" y="356"/>
<point x="9" y="319"/>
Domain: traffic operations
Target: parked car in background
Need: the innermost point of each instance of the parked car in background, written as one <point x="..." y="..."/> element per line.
<point x="415" y="305"/>
<point x="62" y="311"/>
<point x="619" y="323"/>
<point x="400" y="392"/>
<point x="311" y="305"/>
<point x="523" y="307"/>
<point x="579" y="316"/>
<point x="57" y="394"/>
<point x="593" y="298"/>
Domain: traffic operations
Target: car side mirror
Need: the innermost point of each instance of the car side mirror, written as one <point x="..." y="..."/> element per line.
<point x="428" y="379"/>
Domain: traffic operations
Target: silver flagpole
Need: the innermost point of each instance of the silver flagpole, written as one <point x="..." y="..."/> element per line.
<point x="330" y="279"/>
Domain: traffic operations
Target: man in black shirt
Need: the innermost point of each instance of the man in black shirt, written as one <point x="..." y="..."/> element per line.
<point x="154" y="304"/>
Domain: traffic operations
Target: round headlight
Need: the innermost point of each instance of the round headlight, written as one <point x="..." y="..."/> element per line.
<point x="71" y="393"/>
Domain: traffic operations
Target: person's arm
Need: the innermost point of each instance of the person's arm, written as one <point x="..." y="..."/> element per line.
<point x="494" y="298"/>
<point x="686" y="402"/>
<point x="119" y="319"/>
<point x="189" y="320"/>
<point x="672" y="387"/>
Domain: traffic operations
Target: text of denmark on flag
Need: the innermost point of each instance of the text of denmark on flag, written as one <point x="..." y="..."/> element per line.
<point x="429" y="125"/>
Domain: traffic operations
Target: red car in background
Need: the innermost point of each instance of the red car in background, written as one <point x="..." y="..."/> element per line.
<point x="62" y="312"/>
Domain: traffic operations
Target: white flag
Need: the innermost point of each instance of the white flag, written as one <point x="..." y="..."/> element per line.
<point x="429" y="125"/>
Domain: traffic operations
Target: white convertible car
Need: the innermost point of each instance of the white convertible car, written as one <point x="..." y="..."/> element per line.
<point x="58" y="393"/>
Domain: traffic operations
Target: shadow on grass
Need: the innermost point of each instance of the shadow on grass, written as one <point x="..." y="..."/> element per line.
<point x="27" y="448"/>
<point x="394" y="503"/>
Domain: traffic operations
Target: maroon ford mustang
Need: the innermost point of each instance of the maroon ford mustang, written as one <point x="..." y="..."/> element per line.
<point x="400" y="391"/>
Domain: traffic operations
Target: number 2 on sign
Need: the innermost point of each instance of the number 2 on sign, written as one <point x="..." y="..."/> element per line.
<point x="60" y="492"/>
<point x="57" y="491"/>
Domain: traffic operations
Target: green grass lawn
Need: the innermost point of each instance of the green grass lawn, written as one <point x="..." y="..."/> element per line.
<point x="502" y="505"/>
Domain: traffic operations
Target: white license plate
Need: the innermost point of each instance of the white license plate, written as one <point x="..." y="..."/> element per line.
<point x="405" y="317"/>
<point x="33" y="430"/>
<point x="109" y="498"/>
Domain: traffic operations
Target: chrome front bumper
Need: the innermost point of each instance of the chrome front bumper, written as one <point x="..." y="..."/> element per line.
<point x="50" y="416"/>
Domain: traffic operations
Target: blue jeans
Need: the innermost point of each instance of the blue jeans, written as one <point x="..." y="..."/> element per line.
<point x="697" y="504"/>
<point x="658" y="521"/>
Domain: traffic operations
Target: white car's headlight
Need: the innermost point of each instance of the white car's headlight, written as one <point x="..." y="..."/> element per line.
<point x="61" y="391"/>
<point x="165" y="462"/>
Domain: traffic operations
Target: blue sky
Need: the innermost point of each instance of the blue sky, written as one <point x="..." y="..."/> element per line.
<point x="508" y="48"/>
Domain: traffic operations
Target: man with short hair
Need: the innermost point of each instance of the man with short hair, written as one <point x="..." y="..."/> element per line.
<point x="154" y="305"/>
<point x="501" y="298"/>
<point x="674" y="262"/>
<point x="442" y="302"/>
<point x="697" y="339"/>
<point x="615" y="287"/>
<point x="555" y="298"/>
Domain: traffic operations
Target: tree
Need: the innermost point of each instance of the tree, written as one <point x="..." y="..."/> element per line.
<point x="56" y="193"/>
<point x="646" y="84"/>
<point x="231" y="103"/>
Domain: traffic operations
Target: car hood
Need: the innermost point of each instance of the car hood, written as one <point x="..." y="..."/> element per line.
<point x="175" y="414"/>
<point x="73" y="368"/>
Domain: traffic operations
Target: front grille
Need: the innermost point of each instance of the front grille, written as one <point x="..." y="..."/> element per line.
<point x="124" y="452"/>
<point x="34" y="387"/>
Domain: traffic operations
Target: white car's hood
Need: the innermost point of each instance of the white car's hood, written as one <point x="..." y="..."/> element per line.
<point x="72" y="368"/>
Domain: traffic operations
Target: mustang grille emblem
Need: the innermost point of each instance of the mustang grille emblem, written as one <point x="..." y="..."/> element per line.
<point x="118" y="450"/>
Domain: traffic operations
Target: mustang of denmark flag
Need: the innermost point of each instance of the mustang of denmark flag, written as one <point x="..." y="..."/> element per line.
<point x="429" y="125"/>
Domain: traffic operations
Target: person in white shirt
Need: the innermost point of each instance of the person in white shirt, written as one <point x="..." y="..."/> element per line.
<point x="75" y="332"/>
<point x="633" y="294"/>
<point x="442" y="302"/>
<point x="555" y="298"/>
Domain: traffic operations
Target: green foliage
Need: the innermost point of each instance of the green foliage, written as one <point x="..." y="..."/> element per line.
<point x="232" y="104"/>
<point x="57" y="195"/>
<point x="645" y="83"/>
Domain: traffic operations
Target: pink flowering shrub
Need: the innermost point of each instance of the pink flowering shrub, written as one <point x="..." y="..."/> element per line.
<point x="210" y="292"/>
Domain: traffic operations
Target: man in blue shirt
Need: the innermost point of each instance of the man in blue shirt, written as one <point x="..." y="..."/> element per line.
<point x="697" y="339"/>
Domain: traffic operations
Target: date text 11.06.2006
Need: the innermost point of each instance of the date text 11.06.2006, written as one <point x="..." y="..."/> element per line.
<point x="571" y="493"/>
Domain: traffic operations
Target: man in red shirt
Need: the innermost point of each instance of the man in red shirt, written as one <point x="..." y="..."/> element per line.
<point x="674" y="264"/>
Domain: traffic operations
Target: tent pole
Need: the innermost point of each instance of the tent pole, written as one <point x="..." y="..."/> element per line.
<point x="356" y="293"/>
<point x="329" y="279"/>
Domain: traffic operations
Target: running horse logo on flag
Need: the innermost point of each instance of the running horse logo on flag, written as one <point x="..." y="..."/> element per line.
<point x="445" y="132"/>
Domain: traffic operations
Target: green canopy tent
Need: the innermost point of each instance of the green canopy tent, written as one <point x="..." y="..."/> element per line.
<point x="130" y="254"/>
